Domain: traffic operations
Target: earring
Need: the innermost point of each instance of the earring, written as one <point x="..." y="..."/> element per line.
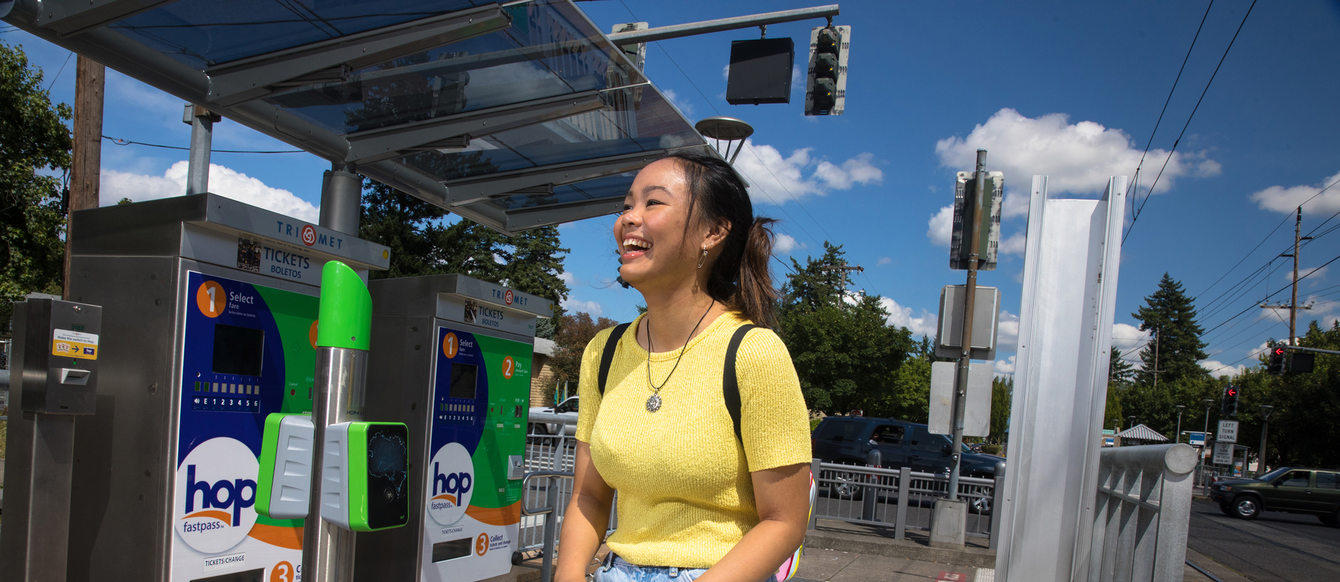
<point x="701" y="259"/>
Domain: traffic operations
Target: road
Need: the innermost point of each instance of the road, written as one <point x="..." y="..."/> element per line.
<point x="1277" y="546"/>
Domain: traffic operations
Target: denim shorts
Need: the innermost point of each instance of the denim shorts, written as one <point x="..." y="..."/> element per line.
<point x="616" y="569"/>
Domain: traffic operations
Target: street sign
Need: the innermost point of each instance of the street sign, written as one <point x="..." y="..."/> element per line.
<point x="1223" y="453"/>
<point x="1228" y="431"/>
<point x="985" y="227"/>
<point x="977" y="406"/>
<point x="985" y="322"/>
<point x="1196" y="439"/>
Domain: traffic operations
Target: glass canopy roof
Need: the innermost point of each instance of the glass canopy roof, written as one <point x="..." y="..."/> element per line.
<point x="516" y="115"/>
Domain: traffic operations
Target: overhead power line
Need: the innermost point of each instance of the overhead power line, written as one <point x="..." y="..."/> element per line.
<point x="1182" y="133"/>
<point x="126" y="142"/>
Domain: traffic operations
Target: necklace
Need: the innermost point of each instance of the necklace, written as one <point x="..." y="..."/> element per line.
<point x="654" y="401"/>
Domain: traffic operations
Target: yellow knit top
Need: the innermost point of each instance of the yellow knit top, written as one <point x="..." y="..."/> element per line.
<point x="685" y="494"/>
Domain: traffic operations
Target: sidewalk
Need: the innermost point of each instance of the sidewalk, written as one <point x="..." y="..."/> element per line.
<point x="836" y="551"/>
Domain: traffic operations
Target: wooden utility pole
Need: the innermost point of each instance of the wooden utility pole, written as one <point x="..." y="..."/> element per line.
<point x="86" y="161"/>
<point x="1293" y="306"/>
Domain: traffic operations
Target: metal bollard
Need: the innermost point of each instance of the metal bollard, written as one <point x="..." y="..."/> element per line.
<point x="870" y="499"/>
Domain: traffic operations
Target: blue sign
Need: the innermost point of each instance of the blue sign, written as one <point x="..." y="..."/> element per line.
<point x="1196" y="439"/>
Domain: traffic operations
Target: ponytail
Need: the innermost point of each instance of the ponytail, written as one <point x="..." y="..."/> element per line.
<point x="740" y="277"/>
<point x="755" y="296"/>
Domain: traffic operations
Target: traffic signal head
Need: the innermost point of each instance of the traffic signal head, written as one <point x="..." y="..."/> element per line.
<point x="826" y="90"/>
<point x="1229" y="404"/>
<point x="1276" y="363"/>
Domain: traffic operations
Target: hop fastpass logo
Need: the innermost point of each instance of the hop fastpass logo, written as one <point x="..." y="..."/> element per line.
<point x="451" y="479"/>
<point x="216" y="495"/>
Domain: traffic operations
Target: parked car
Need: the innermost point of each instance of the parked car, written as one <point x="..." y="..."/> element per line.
<point x="561" y="419"/>
<point x="850" y="439"/>
<point x="1291" y="489"/>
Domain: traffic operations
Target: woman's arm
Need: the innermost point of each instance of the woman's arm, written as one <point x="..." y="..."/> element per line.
<point x="782" y="496"/>
<point x="587" y="518"/>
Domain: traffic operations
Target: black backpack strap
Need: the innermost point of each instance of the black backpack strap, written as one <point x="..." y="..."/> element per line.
<point x="730" y="386"/>
<point x="607" y="356"/>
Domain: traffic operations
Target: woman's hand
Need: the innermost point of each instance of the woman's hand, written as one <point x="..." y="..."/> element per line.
<point x="782" y="496"/>
<point x="587" y="518"/>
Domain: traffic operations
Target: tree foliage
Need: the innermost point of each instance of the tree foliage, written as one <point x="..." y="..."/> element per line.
<point x="846" y="354"/>
<point x="1302" y="427"/>
<point x="33" y="138"/>
<point x="574" y="332"/>
<point x="1175" y="345"/>
<point x="424" y="242"/>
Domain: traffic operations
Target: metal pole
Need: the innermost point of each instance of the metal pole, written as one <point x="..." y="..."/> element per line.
<point x="202" y="139"/>
<point x="969" y="300"/>
<point x="1266" y="409"/>
<point x="733" y="23"/>
<point x="328" y="549"/>
<point x="341" y="192"/>
<point x="1178" y="437"/>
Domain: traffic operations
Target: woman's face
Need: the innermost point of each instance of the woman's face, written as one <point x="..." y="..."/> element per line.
<point x="655" y="250"/>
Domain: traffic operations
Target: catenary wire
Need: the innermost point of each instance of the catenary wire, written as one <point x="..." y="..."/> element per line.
<point x="1185" y="126"/>
<point x="125" y="142"/>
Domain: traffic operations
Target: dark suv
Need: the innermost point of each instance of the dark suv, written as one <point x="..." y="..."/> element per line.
<point x="849" y="439"/>
<point x="1292" y="489"/>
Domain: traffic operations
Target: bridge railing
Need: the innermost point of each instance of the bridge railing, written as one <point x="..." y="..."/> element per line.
<point x="1142" y="511"/>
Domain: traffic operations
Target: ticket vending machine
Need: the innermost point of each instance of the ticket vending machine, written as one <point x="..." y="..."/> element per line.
<point x="209" y="324"/>
<point x="451" y="358"/>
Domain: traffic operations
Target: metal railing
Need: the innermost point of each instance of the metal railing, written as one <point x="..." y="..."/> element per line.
<point x="901" y="499"/>
<point x="1142" y="513"/>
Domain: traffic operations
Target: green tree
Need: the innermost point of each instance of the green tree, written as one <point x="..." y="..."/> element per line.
<point x="1002" y="392"/>
<point x="1169" y="315"/>
<point x="1303" y="430"/>
<point x="575" y="331"/>
<point x="844" y="351"/>
<point x="34" y="142"/>
<point x="424" y="242"/>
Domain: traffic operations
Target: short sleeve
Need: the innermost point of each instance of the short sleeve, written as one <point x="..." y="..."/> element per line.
<point x="774" y="422"/>
<point x="588" y="391"/>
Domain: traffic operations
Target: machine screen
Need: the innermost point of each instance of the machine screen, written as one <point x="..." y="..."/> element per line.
<point x="463" y="383"/>
<point x="238" y="350"/>
<point x="256" y="575"/>
<point x="449" y="550"/>
<point x="388" y="496"/>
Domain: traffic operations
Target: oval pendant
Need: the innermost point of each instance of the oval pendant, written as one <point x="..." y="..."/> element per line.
<point x="654" y="403"/>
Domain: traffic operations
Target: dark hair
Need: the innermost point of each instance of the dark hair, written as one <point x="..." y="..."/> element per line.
<point x="739" y="277"/>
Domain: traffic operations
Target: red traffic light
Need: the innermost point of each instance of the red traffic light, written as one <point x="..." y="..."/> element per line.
<point x="1279" y="351"/>
<point x="1232" y="391"/>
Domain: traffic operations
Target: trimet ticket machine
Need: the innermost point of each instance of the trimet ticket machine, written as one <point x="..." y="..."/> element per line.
<point x="451" y="358"/>
<point x="209" y="324"/>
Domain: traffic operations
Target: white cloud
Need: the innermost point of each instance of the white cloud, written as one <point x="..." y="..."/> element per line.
<point x="1004" y="367"/>
<point x="784" y="244"/>
<point x="1007" y="332"/>
<point x="575" y="306"/>
<point x="567" y="278"/>
<point x="223" y="181"/>
<point x="1217" y="368"/>
<point x="1078" y="158"/>
<point x="923" y="324"/>
<point x="883" y="261"/>
<point x="776" y="179"/>
<point x="940" y="228"/>
<point x="1016" y="201"/>
<point x="1286" y="199"/>
<point x="1129" y="340"/>
<point x="1313" y="275"/>
<point x="1014" y="245"/>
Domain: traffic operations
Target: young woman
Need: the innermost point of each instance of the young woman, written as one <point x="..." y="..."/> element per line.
<point x="695" y="501"/>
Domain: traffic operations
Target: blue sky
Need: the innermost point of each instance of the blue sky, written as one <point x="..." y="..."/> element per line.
<point x="1071" y="90"/>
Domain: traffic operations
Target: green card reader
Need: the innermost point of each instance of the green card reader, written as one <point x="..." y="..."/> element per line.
<point x="364" y="475"/>
<point x="284" y="488"/>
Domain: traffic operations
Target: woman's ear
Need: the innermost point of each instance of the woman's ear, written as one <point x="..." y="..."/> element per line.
<point x="716" y="234"/>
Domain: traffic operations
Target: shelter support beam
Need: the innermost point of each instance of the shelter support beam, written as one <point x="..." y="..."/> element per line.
<point x="395" y="141"/>
<point x="254" y="77"/>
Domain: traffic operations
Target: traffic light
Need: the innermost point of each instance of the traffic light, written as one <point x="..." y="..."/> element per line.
<point x="1276" y="363"/>
<point x="825" y="92"/>
<point x="1301" y="362"/>
<point x="1229" y="405"/>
